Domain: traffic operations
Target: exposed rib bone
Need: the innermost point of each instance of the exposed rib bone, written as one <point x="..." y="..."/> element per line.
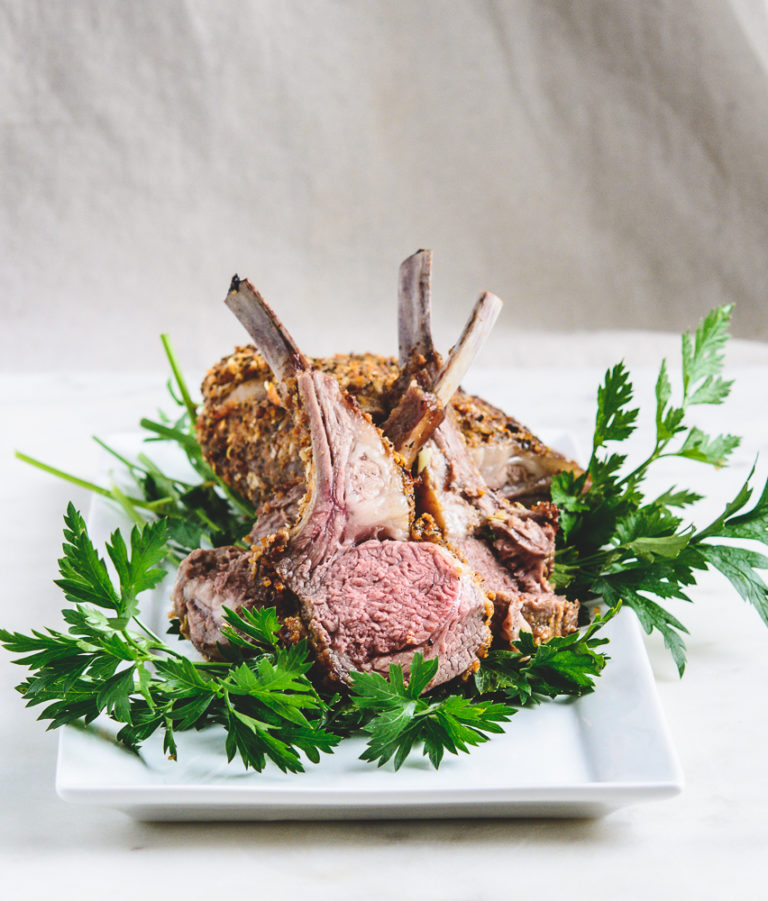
<point x="419" y="412"/>
<point x="463" y="353"/>
<point x="269" y="334"/>
<point x="414" y="311"/>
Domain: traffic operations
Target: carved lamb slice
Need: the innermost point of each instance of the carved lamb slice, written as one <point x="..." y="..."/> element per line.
<point x="207" y="581"/>
<point x="510" y="546"/>
<point x="367" y="595"/>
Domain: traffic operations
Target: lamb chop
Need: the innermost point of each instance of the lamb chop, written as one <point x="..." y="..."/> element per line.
<point x="252" y="438"/>
<point x="252" y="434"/>
<point x="207" y="581"/>
<point x="368" y="596"/>
<point x="509" y="545"/>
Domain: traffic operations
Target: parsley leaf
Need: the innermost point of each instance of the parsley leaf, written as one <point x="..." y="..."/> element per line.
<point x="614" y="421"/>
<point x="567" y="665"/>
<point x="402" y="718"/>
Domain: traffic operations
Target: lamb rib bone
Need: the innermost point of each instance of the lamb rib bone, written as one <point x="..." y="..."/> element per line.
<point x="367" y="596"/>
<point x="415" y="309"/>
<point x="260" y="321"/>
<point x="479" y="326"/>
<point x="419" y="412"/>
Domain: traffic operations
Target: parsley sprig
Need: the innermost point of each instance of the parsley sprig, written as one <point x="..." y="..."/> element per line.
<point x="403" y="717"/>
<point x="110" y="662"/>
<point x="616" y="543"/>
<point x="530" y="673"/>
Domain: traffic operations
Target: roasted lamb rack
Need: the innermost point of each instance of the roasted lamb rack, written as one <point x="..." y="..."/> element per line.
<point x="209" y="580"/>
<point x="286" y="415"/>
<point x="251" y="437"/>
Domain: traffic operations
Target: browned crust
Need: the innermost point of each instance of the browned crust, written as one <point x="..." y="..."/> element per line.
<point x="254" y="443"/>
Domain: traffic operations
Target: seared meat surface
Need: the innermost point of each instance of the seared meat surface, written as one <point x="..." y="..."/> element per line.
<point x="253" y="438"/>
<point x="253" y="435"/>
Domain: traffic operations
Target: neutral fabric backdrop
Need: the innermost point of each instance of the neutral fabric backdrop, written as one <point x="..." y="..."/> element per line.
<point x="596" y="164"/>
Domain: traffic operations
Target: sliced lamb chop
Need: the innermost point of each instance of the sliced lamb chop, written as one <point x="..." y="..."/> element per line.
<point x="207" y="581"/>
<point x="252" y="437"/>
<point x="211" y="579"/>
<point x="510" y="546"/>
<point x="367" y="595"/>
<point x="509" y="457"/>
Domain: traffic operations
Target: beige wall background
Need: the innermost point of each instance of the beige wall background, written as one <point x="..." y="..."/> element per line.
<point x="596" y="164"/>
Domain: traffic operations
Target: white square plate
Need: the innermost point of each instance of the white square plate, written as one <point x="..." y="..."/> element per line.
<point x="574" y="758"/>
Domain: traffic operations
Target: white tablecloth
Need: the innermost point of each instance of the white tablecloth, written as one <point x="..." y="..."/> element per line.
<point x="708" y="843"/>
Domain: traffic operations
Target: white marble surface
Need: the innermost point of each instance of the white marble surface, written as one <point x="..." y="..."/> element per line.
<point x="708" y="843"/>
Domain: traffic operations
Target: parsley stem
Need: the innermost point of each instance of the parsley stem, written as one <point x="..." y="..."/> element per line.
<point x="114" y="494"/>
<point x="160" y="644"/>
<point x="124" y="460"/>
<point x="128" y="507"/>
<point x="75" y="480"/>
<point x="181" y="384"/>
<point x="640" y="470"/>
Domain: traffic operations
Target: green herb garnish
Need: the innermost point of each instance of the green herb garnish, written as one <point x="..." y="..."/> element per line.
<point x="403" y="718"/>
<point x="615" y="543"/>
<point x="563" y="666"/>
<point x="109" y="661"/>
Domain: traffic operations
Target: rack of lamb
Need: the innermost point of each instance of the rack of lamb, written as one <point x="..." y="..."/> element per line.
<point x="250" y="437"/>
<point x="388" y="521"/>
